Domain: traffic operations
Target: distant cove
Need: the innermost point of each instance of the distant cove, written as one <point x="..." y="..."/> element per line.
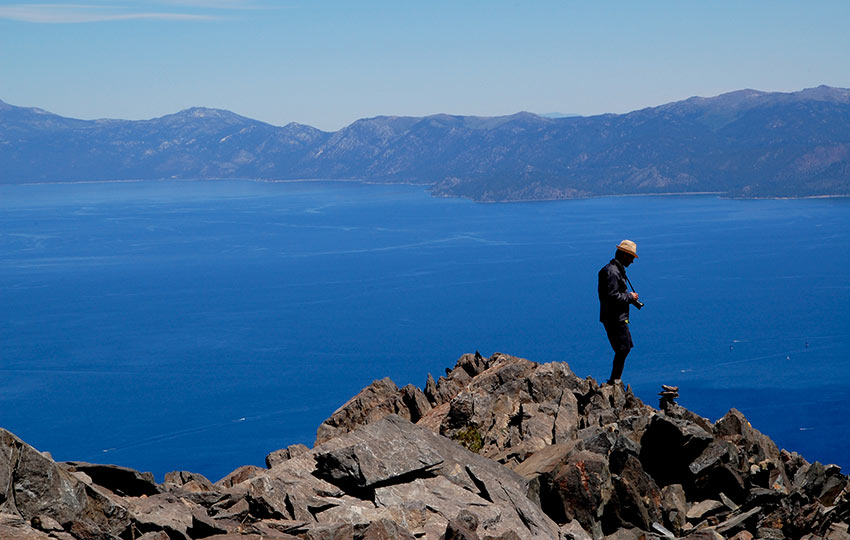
<point x="202" y="324"/>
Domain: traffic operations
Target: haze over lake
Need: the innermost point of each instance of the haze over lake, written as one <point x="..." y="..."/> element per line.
<point x="201" y="325"/>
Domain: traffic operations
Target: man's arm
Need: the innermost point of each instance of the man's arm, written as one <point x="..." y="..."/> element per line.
<point x="608" y="288"/>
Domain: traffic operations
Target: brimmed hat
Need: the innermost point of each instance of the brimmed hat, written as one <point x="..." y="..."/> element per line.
<point x="627" y="246"/>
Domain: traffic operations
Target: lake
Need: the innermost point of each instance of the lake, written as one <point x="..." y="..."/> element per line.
<point x="201" y="325"/>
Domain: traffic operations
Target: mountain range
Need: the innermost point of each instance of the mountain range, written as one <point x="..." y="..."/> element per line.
<point x="745" y="143"/>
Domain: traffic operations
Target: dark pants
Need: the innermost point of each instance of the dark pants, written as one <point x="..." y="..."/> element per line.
<point x="621" y="341"/>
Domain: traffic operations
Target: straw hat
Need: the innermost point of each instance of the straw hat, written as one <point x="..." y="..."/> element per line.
<point x="629" y="247"/>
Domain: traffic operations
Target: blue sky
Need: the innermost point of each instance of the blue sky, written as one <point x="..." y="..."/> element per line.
<point x="327" y="63"/>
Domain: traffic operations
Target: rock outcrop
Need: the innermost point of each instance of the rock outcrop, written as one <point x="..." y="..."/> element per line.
<point x="498" y="448"/>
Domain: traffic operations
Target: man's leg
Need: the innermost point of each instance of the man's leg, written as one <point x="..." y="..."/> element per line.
<point x="617" y="368"/>
<point x="621" y="341"/>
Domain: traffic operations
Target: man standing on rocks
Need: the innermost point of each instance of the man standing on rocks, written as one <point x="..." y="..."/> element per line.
<point x="614" y="300"/>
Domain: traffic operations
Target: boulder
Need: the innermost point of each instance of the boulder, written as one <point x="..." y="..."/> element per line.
<point x="279" y="456"/>
<point x="242" y="474"/>
<point x="14" y="527"/>
<point x="636" y="500"/>
<point x="578" y="487"/>
<point x="377" y="400"/>
<point x="394" y="463"/>
<point x="34" y="485"/>
<point x="674" y="508"/>
<point x="668" y="447"/>
<point x="189" y="481"/>
<point x="177" y="517"/>
<point x="462" y="527"/>
<point x="122" y="481"/>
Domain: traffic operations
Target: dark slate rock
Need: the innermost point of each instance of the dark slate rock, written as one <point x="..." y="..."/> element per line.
<point x="674" y="507"/>
<point x="462" y="527"/>
<point x="119" y="480"/>
<point x="636" y="501"/>
<point x="737" y="522"/>
<point x="669" y="446"/>
<point x="578" y="487"/>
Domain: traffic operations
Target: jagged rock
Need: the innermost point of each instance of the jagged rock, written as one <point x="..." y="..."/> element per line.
<point x="14" y="527"/>
<point x="703" y="508"/>
<point x="173" y="515"/>
<point x="574" y="531"/>
<point x="242" y="474"/>
<point x="384" y="529"/>
<point x="674" y="508"/>
<point x="337" y="531"/>
<point x="462" y="527"/>
<point x="765" y="533"/>
<point x="189" y="481"/>
<point x="755" y="446"/>
<point x="823" y="483"/>
<point x="592" y="458"/>
<point x="34" y="485"/>
<point x="122" y="481"/>
<point x="704" y="534"/>
<point x="279" y="456"/>
<point x="737" y="521"/>
<point x="578" y="487"/>
<point x="377" y="400"/>
<point x="838" y="531"/>
<point x="669" y="446"/>
<point x="432" y="469"/>
<point x="636" y="500"/>
<point x="415" y="401"/>
<point x="158" y="535"/>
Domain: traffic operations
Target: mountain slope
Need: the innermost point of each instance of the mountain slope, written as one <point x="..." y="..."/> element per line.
<point x="744" y="143"/>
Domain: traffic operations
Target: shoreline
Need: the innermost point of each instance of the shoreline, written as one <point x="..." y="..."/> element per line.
<point x="719" y="194"/>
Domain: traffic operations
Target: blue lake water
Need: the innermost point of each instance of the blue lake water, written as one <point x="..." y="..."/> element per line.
<point x="201" y="325"/>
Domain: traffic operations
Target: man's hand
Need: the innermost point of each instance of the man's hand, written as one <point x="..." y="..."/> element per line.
<point x="634" y="296"/>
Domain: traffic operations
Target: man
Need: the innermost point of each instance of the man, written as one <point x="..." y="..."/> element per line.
<point x="614" y="300"/>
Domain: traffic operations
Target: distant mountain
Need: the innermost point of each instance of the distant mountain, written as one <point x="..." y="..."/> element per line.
<point x="746" y="143"/>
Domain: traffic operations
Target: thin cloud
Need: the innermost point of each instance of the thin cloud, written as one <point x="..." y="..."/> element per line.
<point x="82" y="13"/>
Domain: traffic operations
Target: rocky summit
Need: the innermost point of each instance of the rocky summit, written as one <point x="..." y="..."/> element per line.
<point x="498" y="448"/>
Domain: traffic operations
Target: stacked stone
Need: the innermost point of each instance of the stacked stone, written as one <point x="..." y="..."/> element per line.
<point x="668" y="394"/>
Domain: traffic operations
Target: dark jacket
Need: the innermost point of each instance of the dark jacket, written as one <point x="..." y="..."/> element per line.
<point x="614" y="298"/>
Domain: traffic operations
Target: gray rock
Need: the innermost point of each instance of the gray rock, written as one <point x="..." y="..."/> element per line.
<point x="674" y="507"/>
<point x="415" y="401"/>
<point x="636" y="500"/>
<point x="34" y="485"/>
<point x="384" y="529"/>
<point x="703" y="509"/>
<point x="177" y="517"/>
<point x="377" y="400"/>
<point x="279" y="456"/>
<point x="242" y="474"/>
<point x="189" y="481"/>
<point x="14" y="527"/>
<point x="738" y="521"/>
<point x="574" y="531"/>
<point x="432" y="469"/>
<point x="462" y="527"/>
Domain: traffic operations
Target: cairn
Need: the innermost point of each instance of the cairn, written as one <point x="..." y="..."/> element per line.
<point x="668" y="396"/>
